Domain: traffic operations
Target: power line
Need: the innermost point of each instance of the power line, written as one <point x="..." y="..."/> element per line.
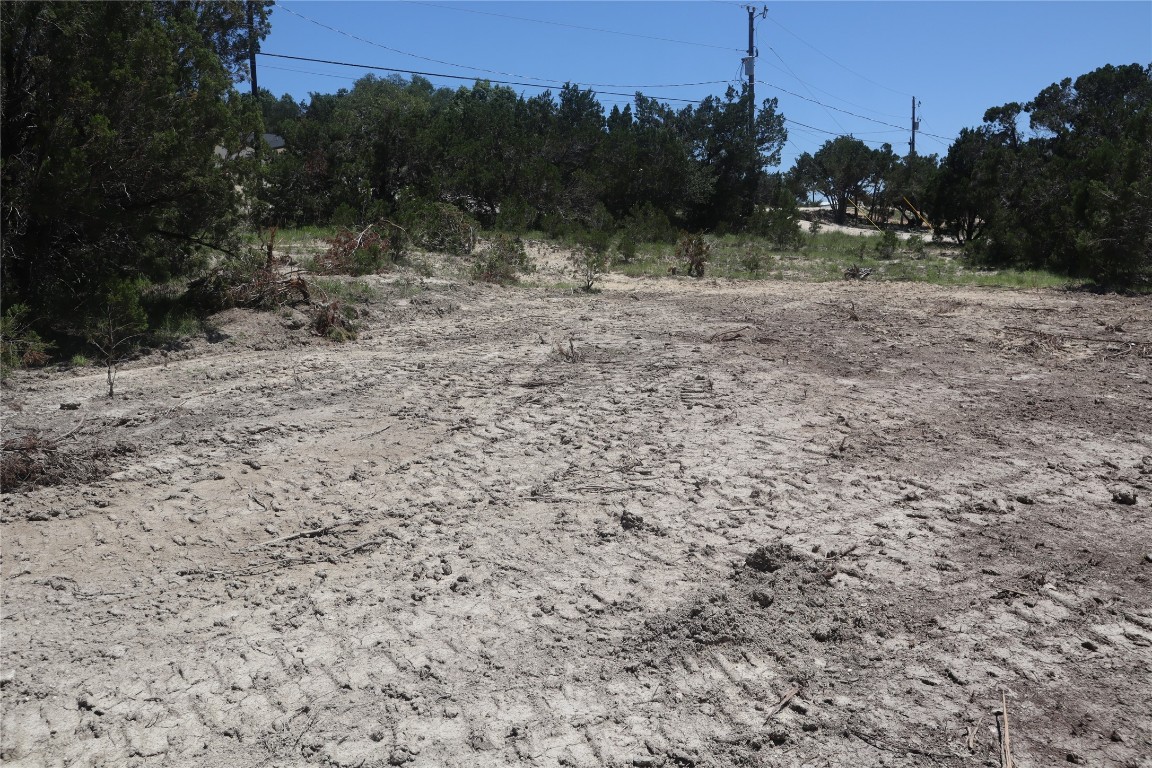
<point x="525" y="85"/>
<point x="806" y="87"/>
<point x="575" y="26"/>
<point x="452" y="77"/>
<point x="618" y="102"/>
<point x="833" y="133"/>
<point x="842" y="66"/>
<point x="853" y="114"/>
<point x="828" y="93"/>
<point x="492" y="71"/>
<point x="404" y="53"/>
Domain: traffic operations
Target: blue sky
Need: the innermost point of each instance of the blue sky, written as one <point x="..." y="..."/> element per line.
<point x="868" y="58"/>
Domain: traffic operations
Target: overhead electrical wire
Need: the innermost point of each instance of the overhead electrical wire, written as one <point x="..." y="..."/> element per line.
<point x="618" y="102"/>
<point x="544" y="82"/>
<point x="488" y="71"/>
<point x="577" y="26"/>
<point x="832" y="133"/>
<point x="453" y="77"/>
<point x="842" y="66"/>
<point x="808" y="86"/>
<point x="525" y="85"/>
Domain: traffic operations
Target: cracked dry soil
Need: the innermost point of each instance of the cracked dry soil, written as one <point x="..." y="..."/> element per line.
<point x="674" y="523"/>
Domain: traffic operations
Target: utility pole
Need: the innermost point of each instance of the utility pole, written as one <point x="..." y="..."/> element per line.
<point x="750" y="70"/>
<point x="915" y="127"/>
<point x="252" y="50"/>
<point x="750" y="62"/>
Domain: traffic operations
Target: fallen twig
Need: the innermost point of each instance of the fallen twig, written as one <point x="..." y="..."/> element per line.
<point x="308" y="533"/>
<point x="373" y="434"/>
<point x="366" y="543"/>
<point x="776" y="708"/>
<point x="1075" y="338"/>
<point x="731" y="335"/>
<point x="1005" y="735"/>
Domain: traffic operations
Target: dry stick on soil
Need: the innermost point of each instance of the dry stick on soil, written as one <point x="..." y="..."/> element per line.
<point x="783" y="702"/>
<point x="373" y="434"/>
<point x="1076" y="338"/>
<point x="1005" y="736"/>
<point x="309" y="532"/>
<point x="731" y="335"/>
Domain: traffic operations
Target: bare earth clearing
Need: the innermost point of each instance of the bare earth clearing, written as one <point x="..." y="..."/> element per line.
<point x="835" y="535"/>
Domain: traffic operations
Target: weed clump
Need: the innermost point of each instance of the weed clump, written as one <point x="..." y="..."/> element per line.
<point x="20" y="345"/>
<point x="336" y="321"/>
<point x="364" y="253"/>
<point x="692" y="252"/>
<point x="886" y="244"/>
<point x="441" y="227"/>
<point x="501" y="261"/>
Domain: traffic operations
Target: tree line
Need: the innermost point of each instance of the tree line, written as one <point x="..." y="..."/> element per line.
<point x="552" y="161"/>
<point x="130" y="159"/>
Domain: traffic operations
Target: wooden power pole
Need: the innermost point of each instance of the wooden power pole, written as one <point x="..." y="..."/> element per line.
<point x="915" y="127"/>
<point x="252" y="50"/>
<point x="750" y="62"/>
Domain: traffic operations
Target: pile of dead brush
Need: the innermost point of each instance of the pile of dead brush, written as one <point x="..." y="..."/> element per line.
<point x="33" y="461"/>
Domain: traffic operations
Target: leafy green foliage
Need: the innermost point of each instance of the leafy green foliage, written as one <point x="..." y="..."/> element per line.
<point x="112" y="115"/>
<point x="589" y="259"/>
<point x="780" y="223"/>
<point x="501" y="261"/>
<point x="839" y="171"/>
<point x="626" y="248"/>
<point x="553" y="161"/>
<point x="1076" y="197"/>
<point x="114" y="325"/>
<point x="886" y="243"/>
<point x="20" y="345"/>
<point x="336" y="321"/>
<point x="440" y="227"/>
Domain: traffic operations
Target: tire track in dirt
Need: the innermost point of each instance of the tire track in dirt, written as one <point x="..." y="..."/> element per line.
<point x="547" y="555"/>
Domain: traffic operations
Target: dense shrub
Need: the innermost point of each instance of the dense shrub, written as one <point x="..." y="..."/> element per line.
<point x="501" y="260"/>
<point x="692" y="253"/>
<point x="440" y="227"/>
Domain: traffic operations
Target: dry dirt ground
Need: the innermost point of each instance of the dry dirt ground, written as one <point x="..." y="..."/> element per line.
<point x="674" y="523"/>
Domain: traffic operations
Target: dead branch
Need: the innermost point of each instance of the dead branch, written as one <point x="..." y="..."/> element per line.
<point x="373" y="434"/>
<point x="1075" y="338"/>
<point x="1005" y="736"/>
<point x="776" y="708"/>
<point x="308" y="533"/>
<point x="731" y="335"/>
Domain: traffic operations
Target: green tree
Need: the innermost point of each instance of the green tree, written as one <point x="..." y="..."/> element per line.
<point x="838" y="171"/>
<point x="1076" y="196"/>
<point x="1095" y="141"/>
<point x="111" y="116"/>
<point x="963" y="197"/>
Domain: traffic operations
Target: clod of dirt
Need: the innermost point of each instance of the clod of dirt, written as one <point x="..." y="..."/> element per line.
<point x="1124" y="497"/>
<point x="482" y="742"/>
<point x="825" y="632"/>
<point x="762" y="598"/>
<point x="630" y="521"/>
<point x="770" y="558"/>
